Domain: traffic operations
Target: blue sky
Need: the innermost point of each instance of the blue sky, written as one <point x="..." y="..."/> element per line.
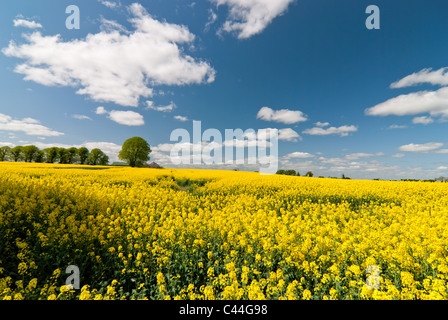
<point x="366" y="103"/>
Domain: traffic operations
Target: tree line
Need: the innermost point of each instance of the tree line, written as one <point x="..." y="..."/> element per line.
<point x="294" y="173"/>
<point x="72" y="155"/>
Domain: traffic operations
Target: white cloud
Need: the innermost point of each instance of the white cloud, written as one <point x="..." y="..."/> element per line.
<point x="322" y="124"/>
<point x="283" y="116"/>
<point x="438" y="77"/>
<point x="81" y="117"/>
<point x="113" y="67"/>
<point x="288" y="135"/>
<point x="342" y="131"/>
<point x="163" y="147"/>
<point x="110" y="4"/>
<point x="397" y="126"/>
<point x="7" y="144"/>
<point x="422" y="120"/>
<point x="433" y="102"/>
<point x="181" y="118"/>
<point x="299" y="155"/>
<point x="421" y="148"/>
<point x="100" y="111"/>
<point x="398" y="155"/>
<point x="29" y="126"/>
<point x="248" y="18"/>
<point x="167" y="108"/>
<point x="110" y="26"/>
<point x="212" y="17"/>
<point x="127" y="118"/>
<point x="27" y="24"/>
<point x="356" y="156"/>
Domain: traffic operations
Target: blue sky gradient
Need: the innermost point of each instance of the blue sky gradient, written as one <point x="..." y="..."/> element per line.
<point x="316" y="57"/>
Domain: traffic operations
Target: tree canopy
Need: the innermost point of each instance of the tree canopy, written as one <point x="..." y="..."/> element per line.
<point x="135" y="151"/>
<point x="54" y="155"/>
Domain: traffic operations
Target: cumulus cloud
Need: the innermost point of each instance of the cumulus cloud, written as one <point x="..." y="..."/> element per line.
<point x="288" y="134"/>
<point x="248" y="18"/>
<point x="181" y="118"/>
<point x="127" y="118"/>
<point x="282" y="116"/>
<point x="397" y="126"/>
<point x="27" y="24"/>
<point x="110" y="4"/>
<point x="29" y="126"/>
<point x="101" y="111"/>
<point x="422" y="120"/>
<point x="168" y="108"/>
<point x="299" y="155"/>
<point x="81" y="117"/>
<point x="111" y="25"/>
<point x="438" y="77"/>
<point x="360" y="155"/>
<point x="7" y="144"/>
<point x="421" y="148"/>
<point x="110" y="66"/>
<point x="342" y="131"/>
<point x="398" y="155"/>
<point x="322" y="124"/>
<point x="212" y="17"/>
<point x="432" y="102"/>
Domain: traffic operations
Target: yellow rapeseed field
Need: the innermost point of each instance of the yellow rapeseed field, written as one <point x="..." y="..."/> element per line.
<point x="199" y="234"/>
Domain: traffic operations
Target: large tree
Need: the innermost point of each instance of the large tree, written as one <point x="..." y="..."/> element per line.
<point x="310" y="174"/>
<point x="29" y="153"/>
<point x="62" y="155"/>
<point x="51" y="154"/>
<point x="83" y="154"/>
<point x="71" y="155"/>
<point x="39" y="157"/>
<point x="97" y="157"/>
<point x="4" y="152"/>
<point x="135" y="151"/>
<point x="16" y="153"/>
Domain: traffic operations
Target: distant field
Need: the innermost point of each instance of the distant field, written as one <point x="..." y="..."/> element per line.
<point x="200" y="234"/>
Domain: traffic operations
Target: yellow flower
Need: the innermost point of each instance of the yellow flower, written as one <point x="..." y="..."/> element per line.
<point x="18" y="296"/>
<point x="64" y="289"/>
<point x="253" y="229"/>
<point x="355" y="270"/>
<point x="22" y="268"/>
<point x="306" y="295"/>
<point x="210" y="272"/>
<point x="160" y="278"/>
